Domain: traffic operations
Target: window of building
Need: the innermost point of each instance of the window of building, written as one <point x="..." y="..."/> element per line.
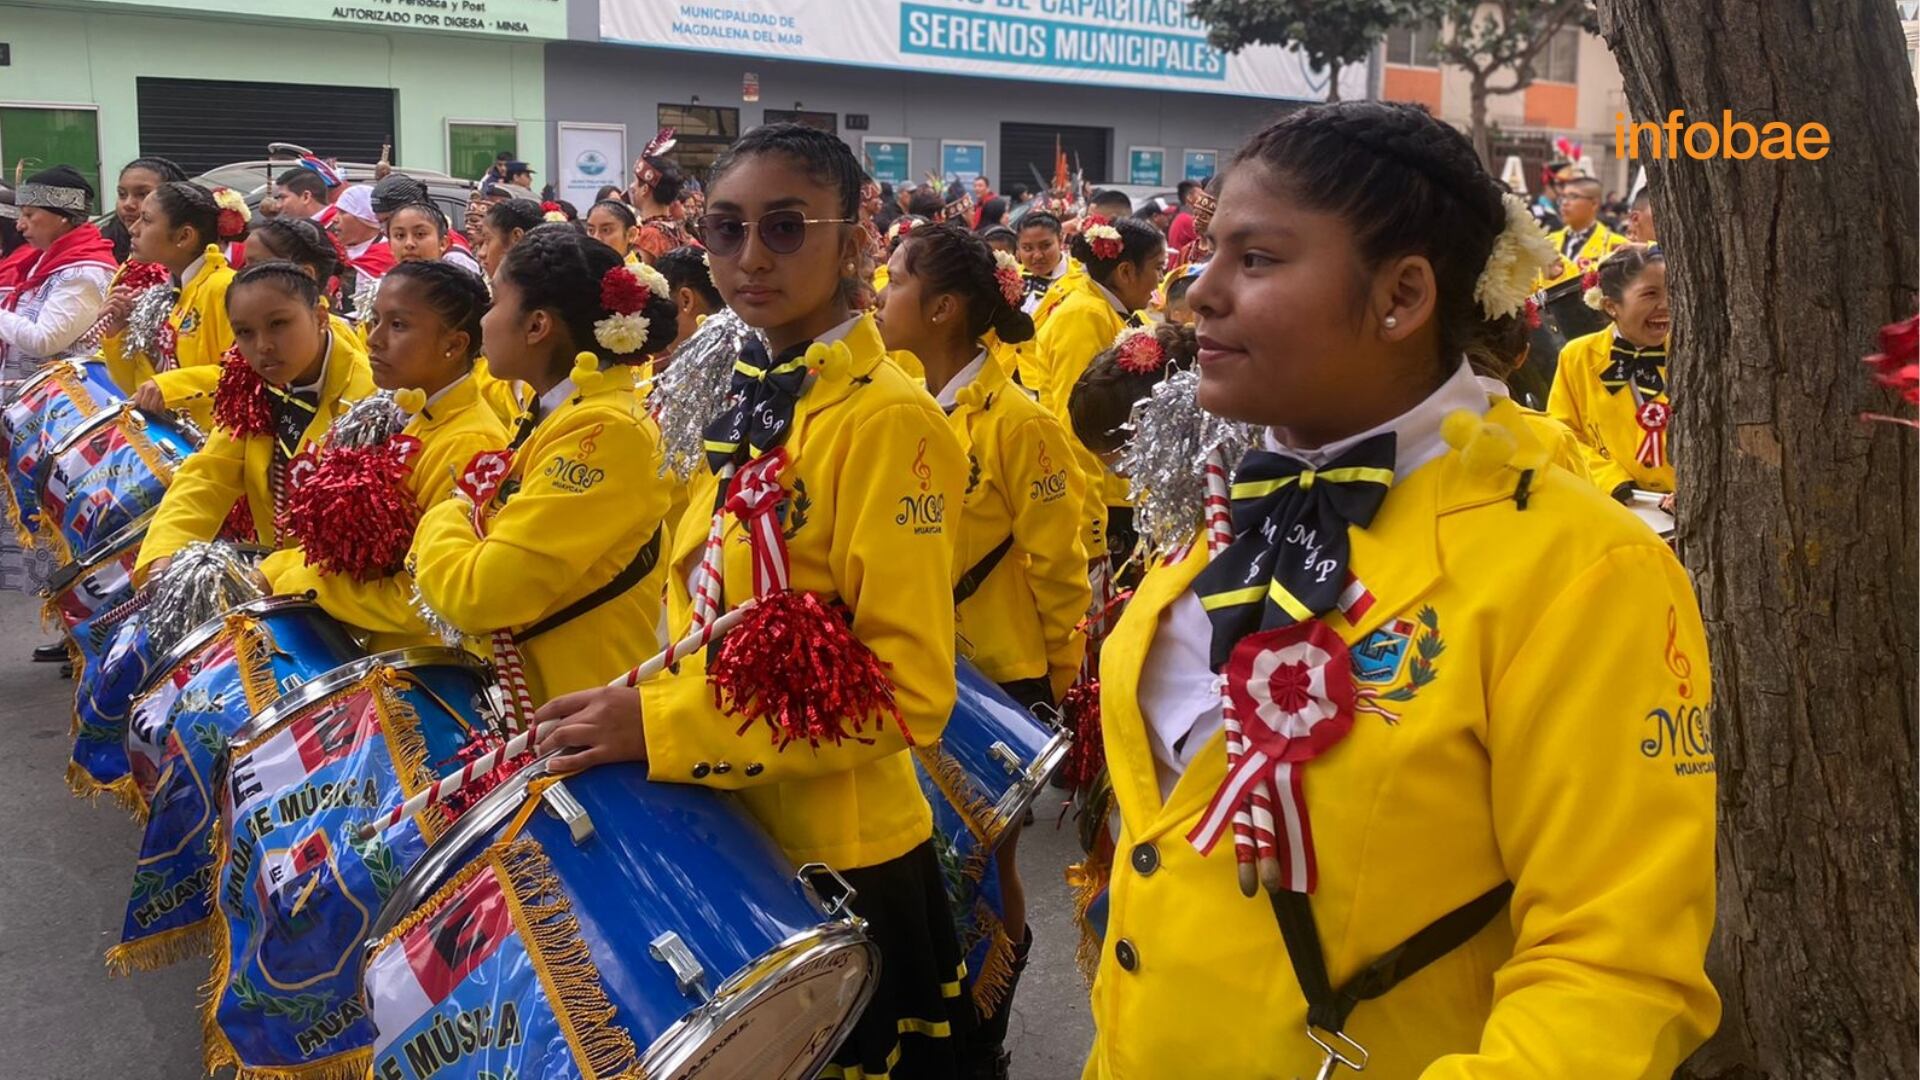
<point x="825" y="121"/>
<point x="48" y="136"/>
<point x="701" y="132"/>
<point x="1412" y="46"/>
<point x="472" y="147"/>
<point x="1560" y="60"/>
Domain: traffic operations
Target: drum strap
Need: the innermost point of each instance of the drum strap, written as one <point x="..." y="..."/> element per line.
<point x="1327" y="1008"/>
<point x="976" y="576"/>
<point x="643" y="563"/>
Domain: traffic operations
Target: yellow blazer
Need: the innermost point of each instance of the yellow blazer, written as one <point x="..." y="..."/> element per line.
<point x="1022" y="483"/>
<point x="451" y="432"/>
<point x="507" y="398"/>
<point x="1081" y="328"/>
<point x="204" y="334"/>
<point x="1598" y="244"/>
<point x="1549" y="729"/>
<point x="1606" y="423"/>
<point x="582" y="500"/>
<point x="873" y="475"/>
<point x="230" y="467"/>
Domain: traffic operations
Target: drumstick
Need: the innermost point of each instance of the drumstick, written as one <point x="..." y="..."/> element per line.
<point x="1252" y="829"/>
<point x="444" y="787"/>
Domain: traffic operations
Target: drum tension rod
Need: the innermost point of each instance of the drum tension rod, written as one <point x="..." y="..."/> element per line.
<point x="1009" y="760"/>
<point x="688" y="975"/>
<point x="561" y="804"/>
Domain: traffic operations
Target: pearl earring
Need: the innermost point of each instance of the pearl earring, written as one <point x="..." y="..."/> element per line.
<point x="1390" y="322"/>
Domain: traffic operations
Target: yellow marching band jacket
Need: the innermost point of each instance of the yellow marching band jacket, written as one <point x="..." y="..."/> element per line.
<point x="1600" y="243"/>
<point x="1606" y="420"/>
<point x="202" y="335"/>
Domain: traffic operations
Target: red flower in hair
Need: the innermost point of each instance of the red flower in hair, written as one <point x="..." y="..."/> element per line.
<point x="1138" y="350"/>
<point x="622" y="292"/>
<point x="1091" y="220"/>
<point x="1590" y="279"/>
<point x="551" y="208"/>
<point x="1533" y="313"/>
<point x="231" y="225"/>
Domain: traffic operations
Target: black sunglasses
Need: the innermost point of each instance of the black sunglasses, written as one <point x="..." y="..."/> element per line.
<point x="782" y="231"/>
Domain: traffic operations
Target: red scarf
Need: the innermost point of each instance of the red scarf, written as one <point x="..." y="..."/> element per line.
<point x="14" y="267"/>
<point x="78" y="247"/>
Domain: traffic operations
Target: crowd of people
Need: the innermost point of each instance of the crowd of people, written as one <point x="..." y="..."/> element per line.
<point x="1405" y="664"/>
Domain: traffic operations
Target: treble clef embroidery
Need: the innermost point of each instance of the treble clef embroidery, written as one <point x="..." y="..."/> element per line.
<point x="1677" y="662"/>
<point x="920" y="467"/>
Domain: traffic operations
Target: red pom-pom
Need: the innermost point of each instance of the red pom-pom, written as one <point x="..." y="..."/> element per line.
<point x="1080" y="714"/>
<point x="240" y="402"/>
<point x="622" y="292"/>
<point x="352" y="513"/>
<point x="795" y="664"/>
<point x="145" y="275"/>
<point x="231" y="225"/>
<point x="238" y="528"/>
<point x="477" y="787"/>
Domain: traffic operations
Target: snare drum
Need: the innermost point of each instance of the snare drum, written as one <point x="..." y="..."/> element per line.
<point x="298" y="890"/>
<point x="95" y="583"/>
<point x="1646" y="507"/>
<point x="628" y="929"/>
<point x="1564" y="315"/>
<point x="993" y="759"/>
<point x="46" y="409"/>
<point x="234" y="665"/>
<point x="108" y="472"/>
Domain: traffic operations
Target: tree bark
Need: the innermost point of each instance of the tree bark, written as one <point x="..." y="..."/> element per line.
<point x="1333" y="81"/>
<point x="1477" y="114"/>
<point x="1797" y="520"/>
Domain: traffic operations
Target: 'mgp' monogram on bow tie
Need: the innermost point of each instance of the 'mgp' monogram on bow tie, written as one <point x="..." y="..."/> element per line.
<point x="1288" y="560"/>
<point x="1644" y="368"/>
<point x="760" y="400"/>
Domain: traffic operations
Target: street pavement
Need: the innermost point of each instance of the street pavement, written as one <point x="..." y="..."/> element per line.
<point x="65" y="866"/>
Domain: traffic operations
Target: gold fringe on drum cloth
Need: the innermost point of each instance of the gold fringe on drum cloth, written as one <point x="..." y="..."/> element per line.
<point x="177" y="944"/>
<point x="974" y="808"/>
<point x="123" y="793"/>
<point x="996" y="968"/>
<point x="400" y="724"/>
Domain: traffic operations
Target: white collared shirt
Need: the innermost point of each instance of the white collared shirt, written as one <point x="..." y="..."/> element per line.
<point x="1179" y="693"/>
<point x="1497" y="389"/>
<point x="441" y="393"/>
<point x="949" y="396"/>
<point x="555" y="396"/>
<point x="838" y="332"/>
<point x="192" y="271"/>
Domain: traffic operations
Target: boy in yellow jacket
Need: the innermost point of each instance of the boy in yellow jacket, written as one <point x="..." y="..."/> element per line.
<point x="565" y="549"/>
<point x="1409" y="728"/>
<point x="1611" y="386"/>
<point x="1584" y="240"/>
<point x="869" y="477"/>
<point x="422" y="341"/>
<point x="288" y="378"/>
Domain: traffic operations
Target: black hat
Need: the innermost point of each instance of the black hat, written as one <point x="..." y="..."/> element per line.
<point x="395" y="191"/>
<point x="515" y="168"/>
<point x="60" y="188"/>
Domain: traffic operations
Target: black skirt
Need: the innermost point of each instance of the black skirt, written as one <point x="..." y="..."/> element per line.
<point x="919" y="1019"/>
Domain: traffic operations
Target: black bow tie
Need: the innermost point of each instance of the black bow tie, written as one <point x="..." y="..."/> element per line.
<point x="292" y="411"/>
<point x="760" y="400"/>
<point x="1646" y="369"/>
<point x="1288" y="559"/>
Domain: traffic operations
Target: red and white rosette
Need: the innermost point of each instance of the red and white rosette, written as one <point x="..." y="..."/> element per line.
<point x="754" y="497"/>
<point x="1653" y="418"/>
<point x="1291" y="691"/>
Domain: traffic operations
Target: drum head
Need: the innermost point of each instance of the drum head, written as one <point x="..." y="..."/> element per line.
<point x="780" y="1019"/>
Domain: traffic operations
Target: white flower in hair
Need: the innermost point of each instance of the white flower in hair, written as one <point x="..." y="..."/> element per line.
<point x="622" y="335"/>
<point x="1006" y="274"/>
<point x="654" y="280"/>
<point x="1594" y="298"/>
<point x="229" y="199"/>
<point x="1520" y="253"/>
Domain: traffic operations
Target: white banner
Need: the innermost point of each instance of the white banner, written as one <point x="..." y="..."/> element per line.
<point x="591" y="157"/>
<point x="1149" y="44"/>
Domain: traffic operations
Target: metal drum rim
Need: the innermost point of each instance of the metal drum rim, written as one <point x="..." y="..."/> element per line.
<point x="342" y="676"/>
<point x="1026" y="789"/>
<point x="441" y="858"/>
<point x="747" y="987"/>
<point x="73" y="366"/>
<point x="208" y="628"/>
<point x="99" y="555"/>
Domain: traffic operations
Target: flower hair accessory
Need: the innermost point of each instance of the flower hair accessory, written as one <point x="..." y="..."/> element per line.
<point x="624" y="292"/>
<point x="899" y="228"/>
<point x="1138" y="350"/>
<point x="1591" y="294"/>
<point x="1102" y="237"/>
<point x="234" y="215"/>
<point x="1006" y="273"/>
<point x="551" y="211"/>
<point x="1520" y="253"/>
<point x="1533" y="313"/>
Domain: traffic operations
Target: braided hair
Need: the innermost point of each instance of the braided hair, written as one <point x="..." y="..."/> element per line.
<point x="426" y="210"/>
<point x="686" y="268"/>
<point x="1138" y="240"/>
<point x="452" y="292"/>
<point x="948" y="259"/>
<point x="522" y="214"/>
<point x="1102" y="400"/>
<point x="300" y="241"/>
<point x="161" y="167"/>
<point x="1622" y="265"/>
<point x="620" y="211"/>
<point x="290" y="278"/>
<point x="189" y="204"/>
<point x="826" y="160"/>
<point x="1406" y="184"/>
<point x="559" y="270"/>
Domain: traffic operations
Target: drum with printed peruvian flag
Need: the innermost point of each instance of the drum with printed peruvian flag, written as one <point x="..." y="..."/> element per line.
<point x="48" y="407"/>
<point x="108" y="472"/>
<point x="297" y="888"/>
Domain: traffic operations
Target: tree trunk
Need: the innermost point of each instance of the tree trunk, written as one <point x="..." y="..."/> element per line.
<point x="1333" y="81"/>
<point x="1797" y="520"/>
<point x="1477" y="101"/>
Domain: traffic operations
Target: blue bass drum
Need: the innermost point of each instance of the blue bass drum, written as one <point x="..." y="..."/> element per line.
<point x="108" y="472"/>
<point x="603" y="925"/>
<point x="44" y="411"/>
<point x="993" y="759"/>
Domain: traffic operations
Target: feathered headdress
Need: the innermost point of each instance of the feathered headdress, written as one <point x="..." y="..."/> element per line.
<point x="643" y="170"/>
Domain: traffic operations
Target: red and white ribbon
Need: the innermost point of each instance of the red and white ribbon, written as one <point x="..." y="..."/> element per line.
<point x="1247" y="832"/>
<point x="1291" y="689"/>
<point x="754" y="497"/>
<point x="1653" y="418"/>
<point x="706" y="587"/>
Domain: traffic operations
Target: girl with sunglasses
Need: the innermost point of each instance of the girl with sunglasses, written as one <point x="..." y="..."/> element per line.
<point x="870" y="476"/>
<point x="560" y="543"/>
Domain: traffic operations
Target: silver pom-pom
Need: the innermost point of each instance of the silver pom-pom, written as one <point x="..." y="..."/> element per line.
<point x="692" y="390"/>
<point x="202" y="582"/>
<point x="371" y="421"/>
<point x="437" y="625"/>
<point x="1165" y="460"/>
<point x="150" y="310"/>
